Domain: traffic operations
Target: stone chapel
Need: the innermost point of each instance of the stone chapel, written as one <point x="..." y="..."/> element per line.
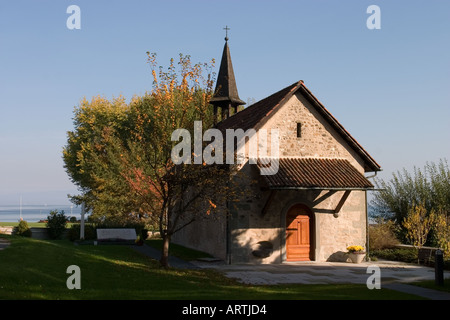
<point x="313" y="207"/>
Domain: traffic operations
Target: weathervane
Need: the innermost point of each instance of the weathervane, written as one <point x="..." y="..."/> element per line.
<point x="226" y="32"/>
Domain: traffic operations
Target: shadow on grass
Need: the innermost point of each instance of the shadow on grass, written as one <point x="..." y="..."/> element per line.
<point x="178" y="251"/>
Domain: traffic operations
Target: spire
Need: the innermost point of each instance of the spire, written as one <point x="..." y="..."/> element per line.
<point x="226" y="94"/>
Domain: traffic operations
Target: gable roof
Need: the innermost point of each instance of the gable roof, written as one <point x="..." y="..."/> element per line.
<point x="252" y="115"/>
<point x="257" y="114"/>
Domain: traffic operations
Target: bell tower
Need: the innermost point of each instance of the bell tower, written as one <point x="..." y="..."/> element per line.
<point x="226" y="95"/>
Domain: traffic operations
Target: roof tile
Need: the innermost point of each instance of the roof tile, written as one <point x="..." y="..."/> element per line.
<point x="320" y="173"/>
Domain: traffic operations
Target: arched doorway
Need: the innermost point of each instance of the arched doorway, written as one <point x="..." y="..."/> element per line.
<point x="299" y="233"/>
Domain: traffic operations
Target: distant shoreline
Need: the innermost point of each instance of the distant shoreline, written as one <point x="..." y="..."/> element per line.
<point x="34" y="213"/>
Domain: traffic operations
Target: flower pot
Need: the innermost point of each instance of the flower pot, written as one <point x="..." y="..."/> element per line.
<point x="357" y="257"/>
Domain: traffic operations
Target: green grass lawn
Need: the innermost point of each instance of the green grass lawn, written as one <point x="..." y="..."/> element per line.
<point x="36" y="269"/>
<point x="30" y="224"/>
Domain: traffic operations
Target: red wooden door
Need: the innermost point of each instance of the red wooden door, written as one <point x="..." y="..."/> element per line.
<point x="298" y="238"/>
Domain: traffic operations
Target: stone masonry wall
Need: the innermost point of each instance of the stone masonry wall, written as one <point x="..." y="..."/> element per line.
<point x="207" y="235"/>
<point x="331" y="234"/>
<point x="318" y="138"/>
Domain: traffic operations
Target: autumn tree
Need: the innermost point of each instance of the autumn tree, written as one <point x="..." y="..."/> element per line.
<point x="120" y="155"/>
<point x="94" y="123"/>
<point x="418" y="224"/>
<point x="442" y="232"/>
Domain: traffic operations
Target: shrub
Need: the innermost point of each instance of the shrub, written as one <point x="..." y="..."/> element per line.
<point x="442" y="232"/>
<point x="382" y="235"/>
<point x="89" y="232"/>
<point x="56" y="224"/>
<point x="397" y="254"/>
<point x="23" y="229"/>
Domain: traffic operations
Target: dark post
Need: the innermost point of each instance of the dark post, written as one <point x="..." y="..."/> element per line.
<point x="439" y="267"/>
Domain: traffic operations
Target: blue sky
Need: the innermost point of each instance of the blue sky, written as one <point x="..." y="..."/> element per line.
<point x="388" y="87"/>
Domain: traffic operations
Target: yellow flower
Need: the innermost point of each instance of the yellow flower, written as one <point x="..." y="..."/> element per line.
<point x="355" y="248"/>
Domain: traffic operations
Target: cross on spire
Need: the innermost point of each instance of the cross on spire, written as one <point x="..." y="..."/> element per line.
<point x="226" y="32"/>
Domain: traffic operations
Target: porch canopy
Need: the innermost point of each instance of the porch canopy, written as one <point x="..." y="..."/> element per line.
<point x="313" y="174"/>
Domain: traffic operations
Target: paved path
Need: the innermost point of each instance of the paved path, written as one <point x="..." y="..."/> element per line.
<point x="323" y="272"/>
<point x="423" y="292"/>
<point x="394" y="275"/>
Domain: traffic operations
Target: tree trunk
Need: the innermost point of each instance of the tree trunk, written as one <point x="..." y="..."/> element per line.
<point x="165" y="251"/>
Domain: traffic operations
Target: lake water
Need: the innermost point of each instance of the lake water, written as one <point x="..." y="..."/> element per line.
<point x="34" y="213"/>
